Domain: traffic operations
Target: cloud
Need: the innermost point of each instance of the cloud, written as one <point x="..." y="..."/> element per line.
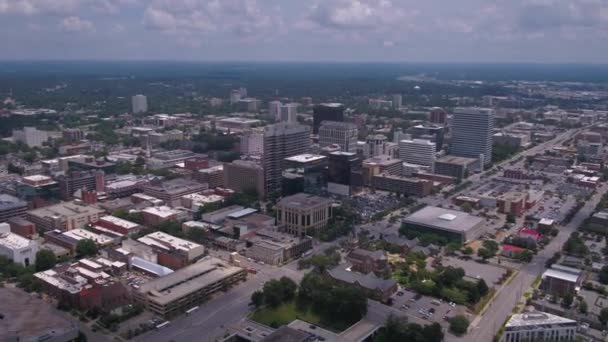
<point x="239" y="17"/>
<point x="42" y="7"/>
<point x="76" y="24"/>
<point x="355" y="14"/>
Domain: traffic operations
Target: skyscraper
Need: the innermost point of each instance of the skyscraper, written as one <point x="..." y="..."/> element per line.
<point x="438" y="116"/>
<point x="344" y="173"/>
<point x="326" y="112"/>
<point x="339" y="133"/>
<point x="281" y="141"/>
<point x="472" y="133"/>
<point x="139" y="103"/>
<point x="397" y="101"/>
<point x="417" y="151"/>
<point x="288" y="113"/>
<point x="274" y="109"/>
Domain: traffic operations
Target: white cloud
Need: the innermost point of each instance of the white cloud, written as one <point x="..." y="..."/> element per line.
<point x="34" y="7"/>
<point x="76" y="24"/>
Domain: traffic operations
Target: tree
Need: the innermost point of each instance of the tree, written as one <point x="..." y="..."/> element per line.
<point x="459" y="325"/>
<point x="485" y="253"/>
<point x="604" y="275"/>
<point x="604" y="316"/>
<point x="467" y="250"/>
<point x="482" y="287"/>
<point x="466" y="207"/>
<point x="45" y="260"/>
<point x="567" y="300"/>
<point x="582" y="307"/>
<point x="320" y="261"/>
<point x="257" y="298"/>
<point x="86" y="248"/>
<point x="525" y="256"/>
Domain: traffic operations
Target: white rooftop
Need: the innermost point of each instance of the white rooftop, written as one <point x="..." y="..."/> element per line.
<point x="119" y="222"/>
<point x="306" y="157"/>
<point x="536" y="318"/>
<point x="167" y="241"/>
<point x="13" y="241"/>
<point x="81" y="234"/>
<point x="162" y="211"/>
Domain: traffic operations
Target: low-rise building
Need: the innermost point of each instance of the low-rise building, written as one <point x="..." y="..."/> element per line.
<point x="173" y="190"/>
<point x="69" y="239"/>
<point x="373" y="286"/>
<point x="183" y="289"/>
<point x="23" y="227"/>
<point x="276" y="248"/>
<point x="539" y="326"/>
<point x="17" y="248"/>
<point x="453" y="166"/>
<point x="197" y="201"/>
<point x="453" y="224"/>
<point x="64" y="216"/>
<point x="402" y="185"/>
<point x="171" y="251"/>
<point x="561" y="280"/>
<point x="153" y="216"/>
<point x="242" y="175"/>
<point x="119" y="225"/>
<point x="212" y="176"/>
<point x="302" y="214"/>
<point x="365" y="261"/>
<point x="11" y="206"/>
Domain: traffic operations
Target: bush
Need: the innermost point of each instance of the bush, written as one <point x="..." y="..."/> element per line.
<point x="459" y="325"/>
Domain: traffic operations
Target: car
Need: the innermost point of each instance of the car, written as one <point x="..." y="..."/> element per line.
<point x="417" y="297"/>
<point x="312" y="327"/>
<point x="452" y="304"/>
<point x="432" y="311"/>
<point x="400" y="293"/>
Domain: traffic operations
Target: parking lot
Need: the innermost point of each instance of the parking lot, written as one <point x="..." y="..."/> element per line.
<point x="552" y="207"/>
<point x="472" y="269"/>
<point x="425" y="309"/>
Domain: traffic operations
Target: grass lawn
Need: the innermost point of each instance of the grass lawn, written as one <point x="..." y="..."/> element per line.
<point x="283" y="315"/>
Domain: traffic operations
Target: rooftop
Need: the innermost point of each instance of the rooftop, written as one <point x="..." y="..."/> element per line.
<point x="166" y="241"/>
<point x="306" y="157"/>
<point x="81" y="234"/>
<point x="187" y="280"/>
<point x="162" y="211"/>
<point x="8" y="202"/>
<point x="447" y="219"/>
<point x="13" y="241"/>
<point x="303" y="201"/>
<point x="119" y="222"/>
<point x="368" y="281"/>
<point x="456" y="160"/>
<point x="536" y="318"/>
<point x="66" y="209"/>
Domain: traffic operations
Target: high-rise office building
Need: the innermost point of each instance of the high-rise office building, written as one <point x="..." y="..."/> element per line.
<point x="344" y="173"/>
<point x="397" y="101"/>
<point x="472" y="133"/>
<point x="438" y="116"/>
<point x="433" y="133"/>
<point x="30" y="136"/>
<point x="376" y="145"/>
<point x="252" y="142"/>
<point x="274" y="109"/>
<point x="139" y="104"/>
<point x="281" y="141"/>
<point x="326" y="112"/>
<point x="235" y="96"/>
<point x="289" y="113"/>
<point x="417" y="151"/>
<point x="343" y="134"/>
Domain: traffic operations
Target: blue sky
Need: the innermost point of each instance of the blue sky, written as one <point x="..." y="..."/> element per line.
<point x="307" y="30"/>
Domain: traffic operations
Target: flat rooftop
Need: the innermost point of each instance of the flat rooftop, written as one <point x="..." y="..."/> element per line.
<point x="305" y="158"/>
<point x="14" y="241"/>
<point x="456" y="160"/>
<point x="162" y="211"/>
<point x="187" y="280"/>
<point x="303" y="201"/>
<point x="119" y="222"/>
<point x="8" y="202"/>
<point x="81" y="234"/>
<point x="65" y="209"/>
<point x="446" y="219"/>
<point x="536" y="318"/>
<point x="31" y="319"/>
<point x="164" y="241"/>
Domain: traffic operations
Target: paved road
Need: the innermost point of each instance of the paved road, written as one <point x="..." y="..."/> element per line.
<point x="511" y="294"/>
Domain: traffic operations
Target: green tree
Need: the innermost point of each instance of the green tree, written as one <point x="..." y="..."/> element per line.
<point x="485" y="253"/>
<point x="320" y="261"/>
<point x="86" y="248"/>
<point x="525" y="256"/>
<point x="567" y="300"/>
<point x="582" y="307"/>
<point x="257" y="298"/>
<point x="604" y="275"/>
<point x="482" y="287"/>
<point x="466" y="207"/>
<point x="603" y="317"/>
<point x="467" y="250"/>
<point x="459" y="325"/>
<point x="45" y="260"/>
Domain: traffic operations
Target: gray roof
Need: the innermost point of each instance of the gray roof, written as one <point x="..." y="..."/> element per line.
<point x="368" y="281"/>
<point x="446" y="219"/>
<point x="536" y="318"/>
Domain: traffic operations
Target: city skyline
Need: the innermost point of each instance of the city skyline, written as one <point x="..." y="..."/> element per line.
<point x="543" y="31"/>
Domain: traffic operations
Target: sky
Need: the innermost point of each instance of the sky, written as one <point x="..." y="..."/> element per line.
<point x="540" y="31"/>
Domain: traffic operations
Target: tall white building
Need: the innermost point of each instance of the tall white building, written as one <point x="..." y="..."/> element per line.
<point x="417" y="151"/>
<point x="17" y="248"/>
<point x="139" y="104"/>
<point x="252" y="142"/>
<point x="274" y="109"/>
<point x="539" y="326"/>
<point x="472" y="131"/>
<point x="282" y="140"/>
<point x="376" y="145"/>
<point x="343" y="134"/>
<point x="289" y="113"/>
<point x="31" y="136"/>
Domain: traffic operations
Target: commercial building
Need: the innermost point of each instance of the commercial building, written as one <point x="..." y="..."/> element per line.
<point x="379" y="165"/>
<point x="188" y="287"/>
<point x="119" y="225"/>
<point x="91" y="164"/>
<point x="242" y="175"/>
<point x="456" y="225"/>
<point x="326" y="112"/>
<point x="252" y="142"/>
<point x="30" y="136"/>
<point x="17" y="248"/>
<point x="472" y="130"/>
<point x="343" y="134"/>
<point x="38" y="190"/>
<point x="344" y="173"/>
<point x="380" y="104"/>
<point x="212" y="176"/>
<point x="195" y="202"/>
<point x="539" y="326"/>
<point x="69" y="239"/>
<point x="397" y="101"/>
<point x="304" y="173"/>
<point x="64" y="216"/>
<point x="171" y="191"/>
<point x="153" y="216"/>
<point x="11" y="206"/>
<point x="417" y="151"/>
<point x="237" y="123"/>
<point x="26" y="318"/>
<point x="72" y="135"/>
<point x="434" y="133"/>
<point x="438" y="116"/>
<point x="139" y="104"/>
<point x="511" y="139"/>
<point x="125" y="187"/>
<point x="23" y="227"/>
<point x="375" y="145"/>
<point x="275" y="248"/>
<point x="402" y="185"/>
<point x="453" y="166"/>
<point x="561" y="280"/>
<point x="281" y="141"/>
<point x="249" y="104"/>
<point x="73" y="181"/>
<point x="171" y="251"/>
<point x="289" y="113"/>
<point x="274" y="109"/>
<point x="303" y="214"/>
<point x="167" y="159"/>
